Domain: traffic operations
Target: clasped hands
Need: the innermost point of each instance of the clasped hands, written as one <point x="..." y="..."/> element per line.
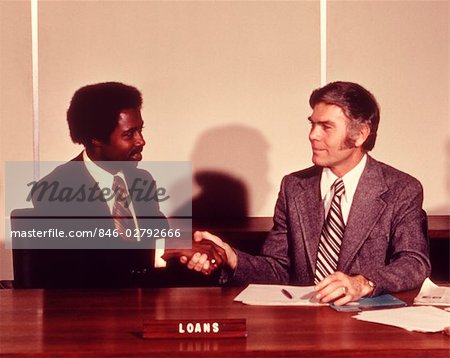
<point x="205" y="255"/>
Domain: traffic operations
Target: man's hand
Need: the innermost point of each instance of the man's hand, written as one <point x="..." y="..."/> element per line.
<point x="207" y="255"/>
<point x="341" y="288"/>
<point x="201" y="261"/>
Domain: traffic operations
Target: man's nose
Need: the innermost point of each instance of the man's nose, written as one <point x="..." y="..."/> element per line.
<point x="313" y="134"/>
<point x="139" y="141"/>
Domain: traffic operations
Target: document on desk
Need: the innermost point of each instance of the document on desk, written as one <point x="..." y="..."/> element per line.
<point x="433" y="295"/>
<point x="278" y="295"/>
<point x="421" y="319"/>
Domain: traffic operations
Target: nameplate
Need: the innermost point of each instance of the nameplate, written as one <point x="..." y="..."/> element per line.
<point x="212" y="328"/>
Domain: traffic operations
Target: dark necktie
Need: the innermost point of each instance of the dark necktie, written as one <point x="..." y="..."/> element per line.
<point x="332" y="235"/>
<point x="123" y="218"/>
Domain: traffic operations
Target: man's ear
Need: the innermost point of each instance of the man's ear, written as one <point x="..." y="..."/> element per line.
<point x="96" y="142"/>
<point x="362" y="134"/>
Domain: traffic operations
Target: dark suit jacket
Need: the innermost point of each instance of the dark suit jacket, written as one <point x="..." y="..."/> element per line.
<point x="385" y="238"/>
<point x="91" y="267"/>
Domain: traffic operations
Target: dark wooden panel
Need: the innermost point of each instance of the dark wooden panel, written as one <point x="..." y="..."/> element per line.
<point x="438" y="226"/>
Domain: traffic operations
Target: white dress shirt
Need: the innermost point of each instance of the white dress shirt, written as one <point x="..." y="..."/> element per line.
<point x="105" y="180"/>
<point x="350" y="180"/>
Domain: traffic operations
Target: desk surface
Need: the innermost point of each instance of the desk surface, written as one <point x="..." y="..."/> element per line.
<point x="109" y="322"/>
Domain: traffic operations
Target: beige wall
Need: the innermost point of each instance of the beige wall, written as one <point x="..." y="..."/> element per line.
<point x="16" y="127"/>
<point x="400" y="50"/>
<point x="226" y="84"/>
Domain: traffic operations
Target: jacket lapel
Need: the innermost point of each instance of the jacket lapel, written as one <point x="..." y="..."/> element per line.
<point x="310" y="215"/>
<point x="367" y="207"/>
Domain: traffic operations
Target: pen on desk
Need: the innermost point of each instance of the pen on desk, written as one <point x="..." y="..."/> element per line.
<point x="287" y="294"/>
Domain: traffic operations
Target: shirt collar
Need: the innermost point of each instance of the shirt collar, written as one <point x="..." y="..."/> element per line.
<point x="350" y="179"/>
<point x="101" y="176"/>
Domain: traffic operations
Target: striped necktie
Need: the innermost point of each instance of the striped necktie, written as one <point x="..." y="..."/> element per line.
<point x="123" y="218"/>
<point x="331" y="237"/>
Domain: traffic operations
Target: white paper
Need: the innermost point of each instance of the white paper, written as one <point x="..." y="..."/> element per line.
<point x="421" y="319"/>
<point x="432" y="294"/>
<point x="272" y="295"/>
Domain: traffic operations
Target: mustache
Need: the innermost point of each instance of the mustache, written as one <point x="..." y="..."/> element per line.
<point x="137" y="150"/>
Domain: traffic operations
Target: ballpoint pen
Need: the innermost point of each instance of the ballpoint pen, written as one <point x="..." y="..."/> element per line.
<point x="287" y="294"/>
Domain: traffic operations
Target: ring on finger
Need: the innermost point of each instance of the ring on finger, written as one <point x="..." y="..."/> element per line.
<point x="344" y="290"/>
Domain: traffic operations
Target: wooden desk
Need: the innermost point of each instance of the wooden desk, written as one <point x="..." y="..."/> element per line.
<point x="108" y="322"/>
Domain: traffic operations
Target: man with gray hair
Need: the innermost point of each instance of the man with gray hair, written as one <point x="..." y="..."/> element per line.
<point x="351" y="225"/>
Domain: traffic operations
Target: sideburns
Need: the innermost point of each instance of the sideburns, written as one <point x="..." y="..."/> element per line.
<point x="353" y="128"/>
<point x="349" y="142"/>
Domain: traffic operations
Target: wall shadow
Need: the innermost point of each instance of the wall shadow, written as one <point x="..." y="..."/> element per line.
<point x="222" y="197"/>
<point x="230" y="165"/>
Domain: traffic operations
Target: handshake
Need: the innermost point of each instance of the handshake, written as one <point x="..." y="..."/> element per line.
<point x="207" y="254"/>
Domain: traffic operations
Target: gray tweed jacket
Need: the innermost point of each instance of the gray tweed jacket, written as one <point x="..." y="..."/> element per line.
<point x="385" y="238"/>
